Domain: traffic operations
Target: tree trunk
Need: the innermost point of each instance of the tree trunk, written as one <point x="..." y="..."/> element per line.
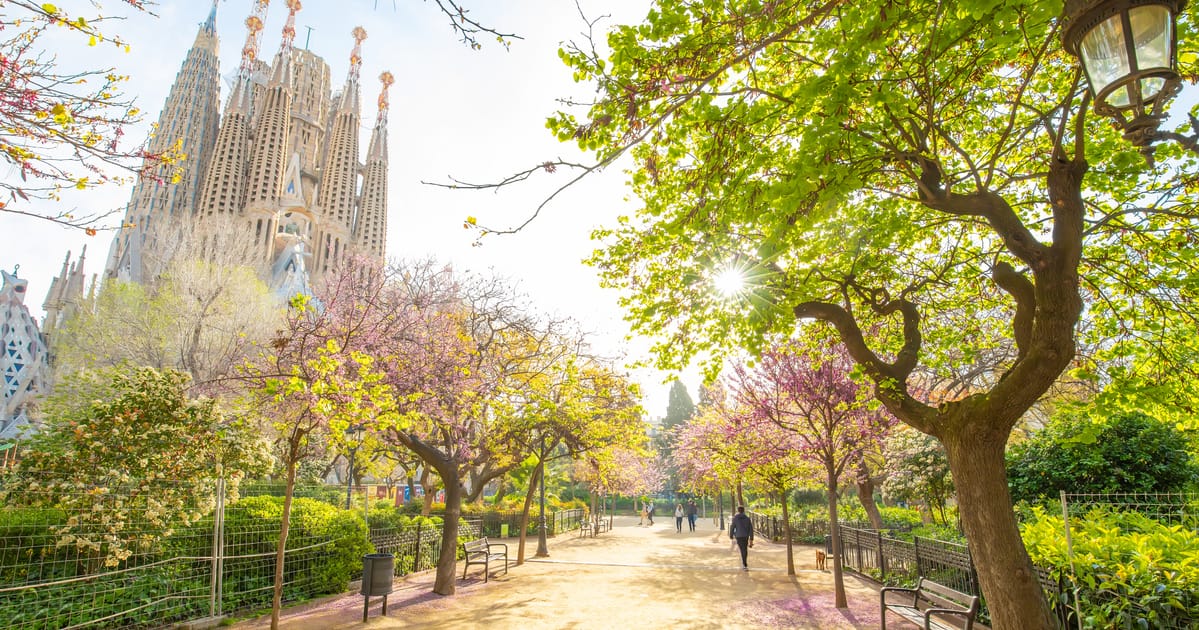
<point x="865" y="485"/>
<point x="284" y="522"/>
<point x="787" y="532"/>
<point x="524" y="515"/>
<point x="740" y="495"/>
<point x="1005" y="572"/>
<point x="835" y="534"/>
<point x="447" y="562"/>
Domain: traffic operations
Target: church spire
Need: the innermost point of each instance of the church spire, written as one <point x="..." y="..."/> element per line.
<point x="339" y="177"/>
<point x="187" y="125"/>
<point x="274" y="128"/>
<point x="210" y="24"/>
<point x="370" y="226"/>
<point x="225" y="182"/>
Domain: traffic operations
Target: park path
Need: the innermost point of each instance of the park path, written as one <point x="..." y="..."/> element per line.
<point x="628" y="577"/>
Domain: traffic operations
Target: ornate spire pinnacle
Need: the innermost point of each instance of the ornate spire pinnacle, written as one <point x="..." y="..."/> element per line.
<point x="356" y="54"/>
<point x="210" y="23"/>
<point x="249" y="51"/>
<point x="281" y="72"/>
<point x="289" y="29"/>
<point x="387" y="79"/>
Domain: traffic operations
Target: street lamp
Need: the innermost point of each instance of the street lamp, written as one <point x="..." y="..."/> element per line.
<point x="353" y="441"/>
<point x="1127" y="49"/>
<point x="542" y="549"/>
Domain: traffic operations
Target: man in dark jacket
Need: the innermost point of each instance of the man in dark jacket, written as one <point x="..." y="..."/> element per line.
<point x="742" y="529"/>
<point x="691" y="513"/>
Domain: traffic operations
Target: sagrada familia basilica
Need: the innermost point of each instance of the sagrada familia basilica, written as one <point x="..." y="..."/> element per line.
<point x="274" y="182"/>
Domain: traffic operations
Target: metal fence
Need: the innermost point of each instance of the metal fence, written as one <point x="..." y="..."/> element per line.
<point x="127" y="557"/>
<point x="115" y="557"/>
<point x="809" y="531"/>
<point x="494" y="524"/>
<point x="892" y="561"/>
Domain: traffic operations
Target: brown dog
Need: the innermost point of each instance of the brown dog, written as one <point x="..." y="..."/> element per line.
<point x="820" y="556"/>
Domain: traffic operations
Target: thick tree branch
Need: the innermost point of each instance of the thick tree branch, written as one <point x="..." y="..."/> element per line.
<point x="890" y="379"/>
<point x="1023" y="292"/>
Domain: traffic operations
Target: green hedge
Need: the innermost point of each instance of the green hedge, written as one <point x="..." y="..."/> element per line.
<point x="254" y="524"/>
<point x="30" y="555"/>
<point x="1132" y="571"/>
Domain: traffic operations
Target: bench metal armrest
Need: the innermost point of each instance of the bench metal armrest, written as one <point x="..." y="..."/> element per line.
<point x="504" y="545"/>
<point x="968" y="614"/>
<point x="914" y="592"/>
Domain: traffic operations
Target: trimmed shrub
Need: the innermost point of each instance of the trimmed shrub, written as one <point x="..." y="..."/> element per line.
<point x="1132" y="571"/>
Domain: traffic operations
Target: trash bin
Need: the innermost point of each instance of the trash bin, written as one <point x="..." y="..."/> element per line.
<point x="377" y="572"/>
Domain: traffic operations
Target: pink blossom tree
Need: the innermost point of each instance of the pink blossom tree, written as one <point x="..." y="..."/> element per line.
<point x="458" y="346"/>
<point x="807" y="389"/>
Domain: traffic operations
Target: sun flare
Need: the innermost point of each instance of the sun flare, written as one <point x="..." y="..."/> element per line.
<point x="730" y="281"/>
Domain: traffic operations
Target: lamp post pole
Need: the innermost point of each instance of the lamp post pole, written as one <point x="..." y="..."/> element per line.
<point x="349" y="479"/>
<point x="353" y="441"/>
<point x="542" y="549"/>
<point x="720" y="502"/>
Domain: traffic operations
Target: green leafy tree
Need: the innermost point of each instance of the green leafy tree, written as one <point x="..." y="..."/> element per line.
<point x="918" y="176"/>
<point x="128" y="455"/>
<point x="1127" y="452"/>
<point x="203" y="318"/>
<point x="570" y="410"/>
<point x="324" y="395"/>
<point x="679" y="407"/>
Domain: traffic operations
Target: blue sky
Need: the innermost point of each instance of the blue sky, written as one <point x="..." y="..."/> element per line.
<point x="477" y="115"/>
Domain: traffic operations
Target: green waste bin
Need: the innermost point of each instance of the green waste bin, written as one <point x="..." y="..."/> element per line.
<point x="503" y="530"/>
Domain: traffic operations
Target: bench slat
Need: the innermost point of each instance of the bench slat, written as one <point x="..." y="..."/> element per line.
<point x="916" y="616"/>
<point x="941" y="596"/>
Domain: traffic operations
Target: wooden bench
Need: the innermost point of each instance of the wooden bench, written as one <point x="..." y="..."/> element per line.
<point x="479" y="551"/>
<point x="944" y="601"/>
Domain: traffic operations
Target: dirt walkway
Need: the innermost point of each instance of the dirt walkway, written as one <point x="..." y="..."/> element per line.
<point x="624" y="578"/>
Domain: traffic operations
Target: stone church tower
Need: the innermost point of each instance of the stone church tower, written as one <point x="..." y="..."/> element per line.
<point x="274" y="181"/>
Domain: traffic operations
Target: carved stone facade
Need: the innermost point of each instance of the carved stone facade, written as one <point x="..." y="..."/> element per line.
<point x="23" y="357"/>
<point x="279" y="172"/>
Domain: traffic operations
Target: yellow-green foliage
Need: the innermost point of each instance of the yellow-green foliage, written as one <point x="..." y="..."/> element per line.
<point x="1131" y="571"/>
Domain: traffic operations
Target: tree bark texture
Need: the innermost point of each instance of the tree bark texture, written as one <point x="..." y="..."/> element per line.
<point x="447" y="562"/>
<point x="524" y="515"/>
<point x="835" y="533"/>
<point x="426" y="484"/>
<point x="865" y="485"/>
<point x="280" y="549"/>
<point x="1005" y="571"/>
<point x="787" y="532"/>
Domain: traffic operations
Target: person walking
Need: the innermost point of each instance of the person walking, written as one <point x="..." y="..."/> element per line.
<point x="692" y="512"/>
<point x="649" y="512"/>
<point x="678" y="518"/>
<point x="742" y="529"/>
